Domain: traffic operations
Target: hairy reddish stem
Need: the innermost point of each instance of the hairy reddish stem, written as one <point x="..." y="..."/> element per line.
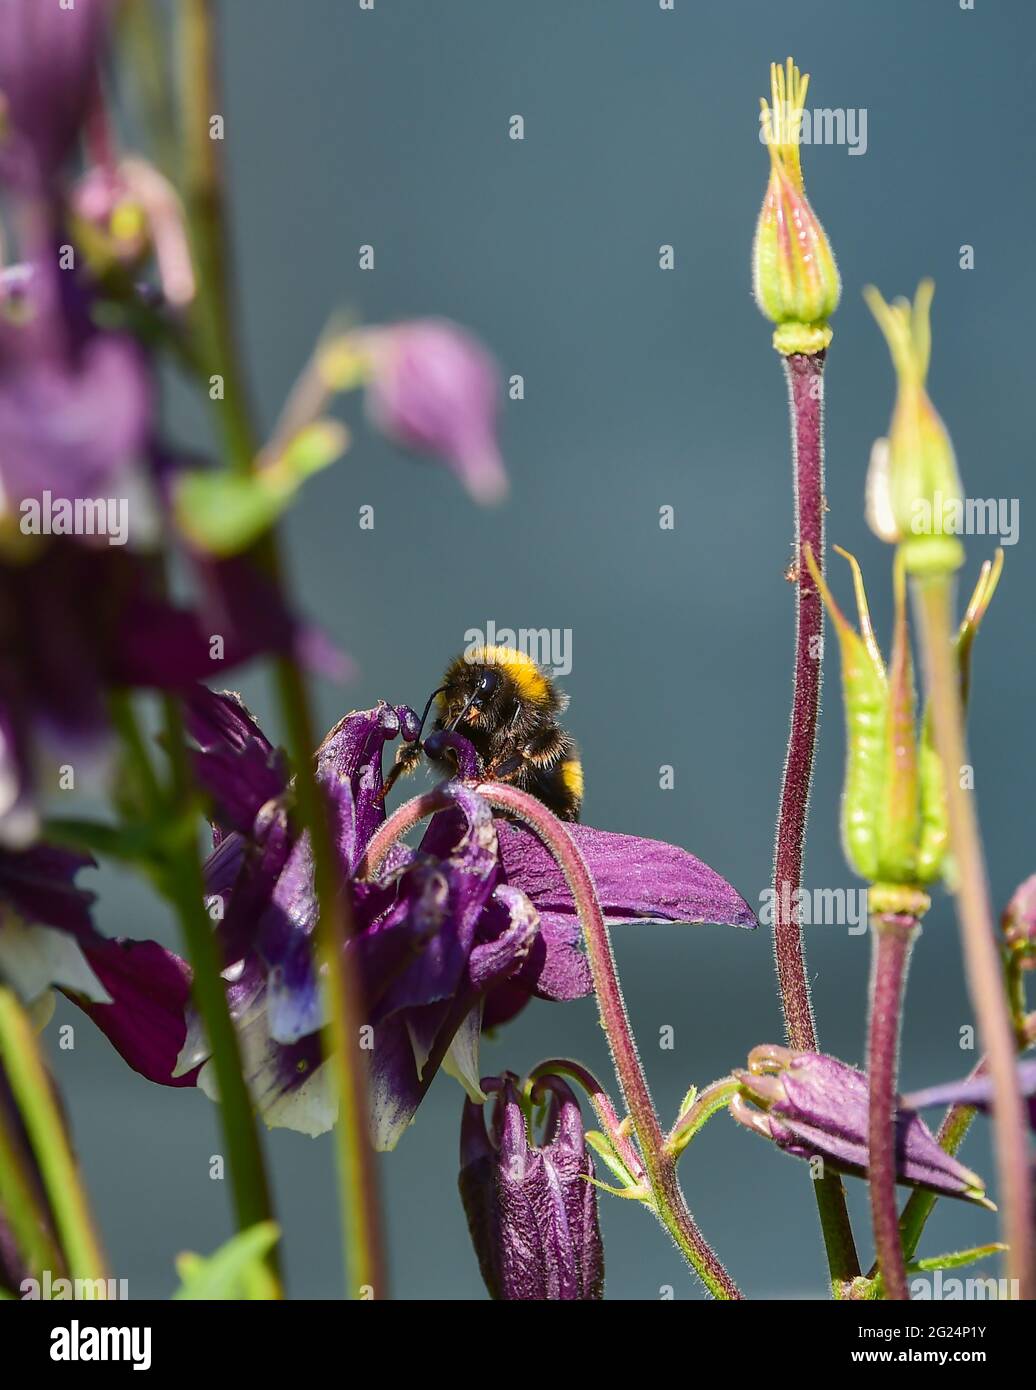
<point x="893" y="939"/>
<point x="805" y="377"/>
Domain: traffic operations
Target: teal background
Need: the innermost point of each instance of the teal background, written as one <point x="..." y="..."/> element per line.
<point x="643" y="388"/>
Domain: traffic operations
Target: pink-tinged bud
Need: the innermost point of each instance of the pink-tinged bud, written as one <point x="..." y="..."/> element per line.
<point x="1019" y="924"/>
<point x="815" y="1107"/>
<point x="435" y="389"/>
<point x="794" y="275"/>
<point x="531" y="1208"/>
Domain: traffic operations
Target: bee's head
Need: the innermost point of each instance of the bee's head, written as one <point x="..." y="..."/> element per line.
<point x="472" y="692"/>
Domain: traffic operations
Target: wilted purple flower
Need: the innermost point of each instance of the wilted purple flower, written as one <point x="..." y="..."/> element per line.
<point x="975" y="1091"/>
<point x="531" y="1208"/>
<point x="472" y="923"/>
<point x="435" y="389"/>
<point x="48" y="71"/>
<point x="812" y="1105"/>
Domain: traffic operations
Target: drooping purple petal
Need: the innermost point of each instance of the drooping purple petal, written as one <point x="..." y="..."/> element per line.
<point x="146" y="1021"/>
<point x="435" y="389"/>
<point x="636" y="879"/>
<point x="39" y="884"/>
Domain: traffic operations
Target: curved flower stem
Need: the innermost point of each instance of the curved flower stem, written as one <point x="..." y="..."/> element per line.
<point x="981" y="954"/>
<point x="893" y="939"/>
<point x="706" y="1103"/>
<point x="805" y="377"/>
<point x="955" y="1125"/>
<point x="601" y="1102"/>
<point x="184" y="885"/>
<point x="213" y="326"/>
<point x="659" y="1164"/>
<point x="34" y="1095"/>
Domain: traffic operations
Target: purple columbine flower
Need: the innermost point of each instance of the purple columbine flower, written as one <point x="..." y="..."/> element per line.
<point x="135" y="991"/>
<point x="466" y="927"/>
<point x="812" y="1105"/>
<point x="975" y="1091"/>
<point x="435" y="389"/>
<point x="48" y="72"/>
<point x="531" y="1208"/>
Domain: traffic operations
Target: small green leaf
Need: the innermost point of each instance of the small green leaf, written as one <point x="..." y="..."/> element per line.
<point x="236" y="1271"/>
<point x="605" y="1151"/>
<point x="956" y="1258"/>
<point x="224" y="513"/>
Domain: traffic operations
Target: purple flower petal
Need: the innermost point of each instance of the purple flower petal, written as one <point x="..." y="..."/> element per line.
<point x="636" y="879"/>
<point x="236" y="763"/>
<point x="146" y="1022"/>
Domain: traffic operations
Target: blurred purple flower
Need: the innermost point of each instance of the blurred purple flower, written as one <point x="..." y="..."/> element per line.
<point x="435" y="389"/>
<point x="531" y="1208"/>
<point x="812" y="1105"/>
<point x="79" y="622"/>
<point x="48" y="71"/>
<point x="472" y="911"/>
<point x="135" y="991"/>
<point x="975" y="1091"/>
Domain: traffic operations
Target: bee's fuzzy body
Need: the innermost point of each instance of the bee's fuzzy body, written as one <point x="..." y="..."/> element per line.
<point x="508" y="707"/>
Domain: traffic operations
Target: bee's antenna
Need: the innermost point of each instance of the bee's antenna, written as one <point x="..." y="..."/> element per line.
<point x="405" y="762"/>
<point x="431" y="697"/>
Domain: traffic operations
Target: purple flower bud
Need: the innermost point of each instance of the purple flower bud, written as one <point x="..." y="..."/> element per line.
<point x="435" y="389"/>
<point x="812" y="1105"/>
<point x="531" y="1209"/>
<point x="1019" y="924"/>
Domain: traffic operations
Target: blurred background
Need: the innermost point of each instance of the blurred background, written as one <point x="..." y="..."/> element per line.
<point x="643" y="388"/>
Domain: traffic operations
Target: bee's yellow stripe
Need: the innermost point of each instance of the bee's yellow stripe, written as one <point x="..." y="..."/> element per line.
<point x="572" y="777"/>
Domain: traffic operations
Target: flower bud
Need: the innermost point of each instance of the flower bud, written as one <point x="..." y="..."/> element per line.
<point x="435" y="389"/>
<point x="894" y="816"/>
<point x="795" y="278"/>
<point x="531" y="1208"/>
<point x="1019" y="924"/>
<point x="814" y="1106"/>
<point x="913" y="489"/>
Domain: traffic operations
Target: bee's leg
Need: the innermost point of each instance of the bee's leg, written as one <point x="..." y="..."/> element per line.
<point x="408" y="755"/>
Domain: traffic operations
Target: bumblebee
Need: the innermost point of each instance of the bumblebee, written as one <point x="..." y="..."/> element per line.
<point x="507" y="707"/>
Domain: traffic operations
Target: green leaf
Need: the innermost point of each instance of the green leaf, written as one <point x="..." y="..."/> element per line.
<point x="603" y="1148"/>
<point x="237" y="1270"/>
<point x="956" y="1258"/>
<point x="224" y="513"/>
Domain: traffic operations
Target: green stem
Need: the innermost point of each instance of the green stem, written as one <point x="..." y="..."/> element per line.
<point x="357" y="1176"/>
<point x="34" y="1095"/>
<point x="981" y="951"/>
<point x="184" y="885"/>
<point x="705" y="1104"/>
<point x="22" y="1205"/>
<point x="206" y="218"/>
<point x="203" y="182"/>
